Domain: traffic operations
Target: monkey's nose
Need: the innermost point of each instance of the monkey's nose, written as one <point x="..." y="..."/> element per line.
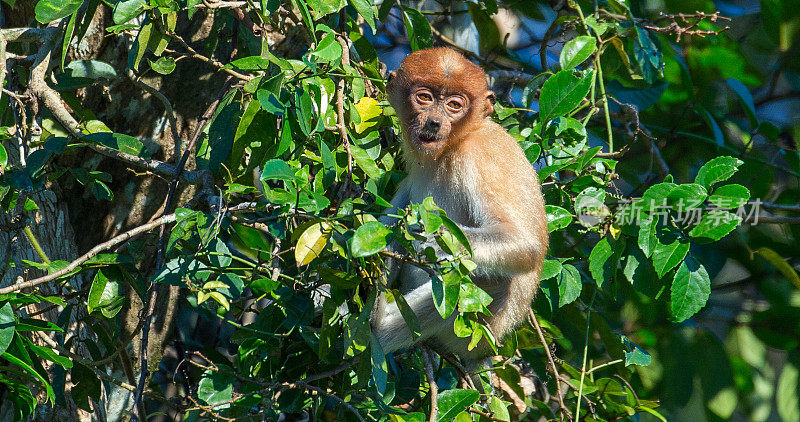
<point x="432" y="125"/>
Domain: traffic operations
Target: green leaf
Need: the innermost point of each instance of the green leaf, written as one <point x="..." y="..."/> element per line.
<point x="590" y="206"/>
<point x="278" y="170"/>
<point x="576" y="51"/>
<point x="499" y="409"/>
<point x="667" y="256"/>
<point x="446" y="291"/>
<point x="49" y="354"/>
<point x="249" y="63"/>
<point x="488" y="34"/>
<point x="418" y="29"/>
<point x="103" y="291"/>
<point x="715" y="225"/>
<point x="369" y="239"/>
<point x="599" y="265"/>
<point x="28" y="368"/>
<point x="452" y="402"/>
<point x="656" y="196"/>
<point x="635" y="355"/>
<point x="380" y="370"/>
<point x="365" y="10"/>
<point x="117" y="141"/>
<point x="221" y="258"/>
<point x="557" y="217"/>
<point x="3" y="159"/>
<point x="690" y="290"/>
<point x="312" y="242"/>
<point x="264" y="285"/>
<point x="320" y="8"/>
<point x="47" y="11"/>
<point x="562" y="93"/>
<point x="454" y="228"/>
<point x="31" y="324"/>
<point x="569" y="285"/>
<point x="7" y="322"/>
<point x="431" y="220"/>
<point x="92" y="69"/>
<point x="550" y="269"/>
<point x="365" y="162"/>
<point x="126" y="10"/>
<point x="164" y="65"/>
<point x="647" y="239"/>
<point x="216" y="388"/>
<point x="717" y="170"/>
<point x="639" y="271"/>
<point x="408" y="314"/>
<point x="304" y="110"/>
<point x="648" y="56"/>
<point x="69" y="31"/>
<point x="329" y="50"/>
<point x="221" y="131"/>
<point x="472" y="298"/>
<point x="730" y="196"/>
<point x="140" y="45"/>
<point x="787" y="397"/>
<point x="687" y="196"/>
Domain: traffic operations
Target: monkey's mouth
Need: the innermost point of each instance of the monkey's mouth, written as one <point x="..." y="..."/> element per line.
<point x="428" y="140"/>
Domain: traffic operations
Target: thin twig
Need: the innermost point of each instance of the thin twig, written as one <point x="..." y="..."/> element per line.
<point x="409" y="260"/>
<point x="781" y="207"/>
<point x="212" y="62"/>
<point x="434" y="389"/>
<point x="342" y="125"/>
<point x="553" y="367"/>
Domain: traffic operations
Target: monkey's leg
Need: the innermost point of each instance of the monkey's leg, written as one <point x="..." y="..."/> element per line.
<point x="392" y="330"/>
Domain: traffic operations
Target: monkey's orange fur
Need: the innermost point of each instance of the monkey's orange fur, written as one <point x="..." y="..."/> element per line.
<point x="479" y="175"/>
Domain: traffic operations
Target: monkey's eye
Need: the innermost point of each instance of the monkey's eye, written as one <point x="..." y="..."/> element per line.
<point x="454" y="105"/>
<point x="424" y="97"/>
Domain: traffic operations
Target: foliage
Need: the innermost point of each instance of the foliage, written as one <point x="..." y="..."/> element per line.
<point x="651" y="153"/>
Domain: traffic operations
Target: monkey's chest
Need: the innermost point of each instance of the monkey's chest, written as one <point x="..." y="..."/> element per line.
<point x="455" y="197"/>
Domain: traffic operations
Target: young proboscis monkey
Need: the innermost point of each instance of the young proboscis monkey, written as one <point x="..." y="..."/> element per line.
<point x="477" y="173"/>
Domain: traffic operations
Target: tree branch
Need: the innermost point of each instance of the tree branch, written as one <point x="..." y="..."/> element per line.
<point x="114" y="241"/>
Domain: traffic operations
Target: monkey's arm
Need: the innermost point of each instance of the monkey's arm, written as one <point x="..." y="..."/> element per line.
<point x="502" y="250"/>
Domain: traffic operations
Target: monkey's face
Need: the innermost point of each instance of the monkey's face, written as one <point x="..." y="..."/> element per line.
<point x="439" y="96"/>
<point x="433" y="116"/>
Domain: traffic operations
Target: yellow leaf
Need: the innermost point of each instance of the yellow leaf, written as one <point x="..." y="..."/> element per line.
<point x="222" y="300"/>
<point x="311" y="243"/>
<point x="615" y="231"/>
<point x="780" y="264"/>
<point x="368" y="110"/>
<point x="214" y="285"/>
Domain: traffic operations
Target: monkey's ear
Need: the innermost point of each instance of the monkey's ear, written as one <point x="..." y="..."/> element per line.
<point x="390" y="76"/>
<point x="490" y="100"/>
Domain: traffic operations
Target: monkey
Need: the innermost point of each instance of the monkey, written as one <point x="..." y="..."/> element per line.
<point x="478" y="174"/>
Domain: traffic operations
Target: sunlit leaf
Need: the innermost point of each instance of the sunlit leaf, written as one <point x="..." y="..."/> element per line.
<point x="562" y="93"/>
<point x="49" y="10"/>
<point x="312" y="242"/>
<point x="690" y="290"/>
<point x="576" y="51"/>
<point x="369" y="239"/>
<point x="453" y="402"/>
